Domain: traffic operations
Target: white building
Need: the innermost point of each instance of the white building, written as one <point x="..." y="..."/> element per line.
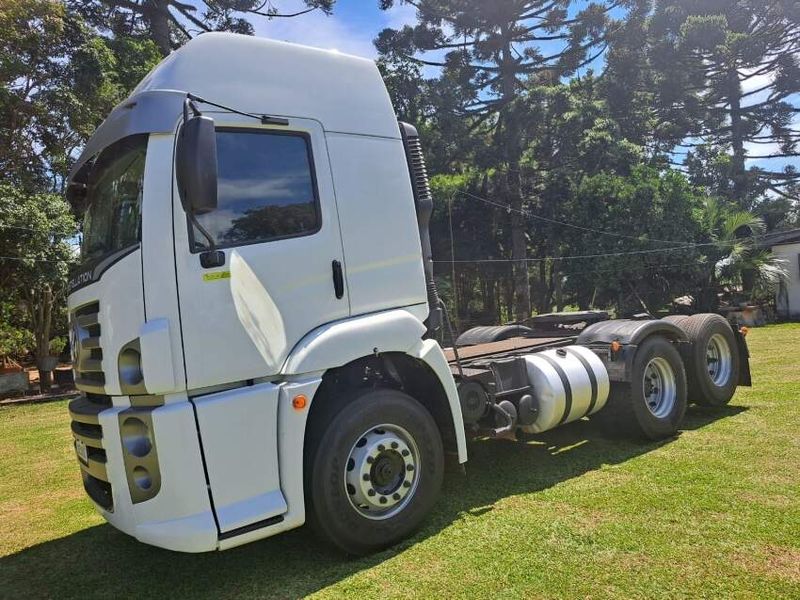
<point x="787" y="300"/>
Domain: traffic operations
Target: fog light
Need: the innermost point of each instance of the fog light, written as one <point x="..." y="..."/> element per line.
<point x="140" y="453"/>
<point x="130" y="367"/>
<point x="142" y="479"/>
<point x="136" y="437"/>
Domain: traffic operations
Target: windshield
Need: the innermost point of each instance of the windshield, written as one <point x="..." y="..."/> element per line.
<point x="114" y="196"/>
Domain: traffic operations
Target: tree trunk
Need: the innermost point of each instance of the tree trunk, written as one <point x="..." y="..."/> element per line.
<point x="157" y="15"/>
<point x="522" y="290"/>
<point x="509" y="142"/>
<point x="737" y="140"/>
<point x="40" y="308"/>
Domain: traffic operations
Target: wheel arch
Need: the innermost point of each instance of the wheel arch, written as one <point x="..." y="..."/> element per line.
<point x="422" y="372"/>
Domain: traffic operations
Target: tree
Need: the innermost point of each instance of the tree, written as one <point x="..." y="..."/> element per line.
<point x="732" y="255"/>
<point x="35" y="235"/>
<point x="170" y="23"/>
<point x="57" y="82"/>
<point x="647" y="253"/>
<point x="490" y="50"/>
<point x="740" y="74"/>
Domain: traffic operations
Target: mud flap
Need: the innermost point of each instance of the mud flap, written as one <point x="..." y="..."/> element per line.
<point x="744" y="358"/>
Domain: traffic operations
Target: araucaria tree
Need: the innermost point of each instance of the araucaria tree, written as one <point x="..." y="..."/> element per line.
<point x="170" y="23"/>
<point x="488" y="53"/>
<point x="740" y="78"/>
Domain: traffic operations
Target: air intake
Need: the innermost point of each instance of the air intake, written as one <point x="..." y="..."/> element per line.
<point x="423" y="203"/>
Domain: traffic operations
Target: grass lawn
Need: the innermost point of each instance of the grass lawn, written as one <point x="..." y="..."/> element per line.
<point x="712" y="513"/>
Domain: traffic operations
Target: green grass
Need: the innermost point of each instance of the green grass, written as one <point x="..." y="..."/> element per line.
<point x="712" y="513"/>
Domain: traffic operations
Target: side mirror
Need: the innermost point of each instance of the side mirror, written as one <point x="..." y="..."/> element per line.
<point x="196" y="165"/>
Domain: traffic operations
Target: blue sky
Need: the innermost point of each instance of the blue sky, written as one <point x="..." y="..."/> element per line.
<point x="355" y="23"/>
<point x="351" y="28"/>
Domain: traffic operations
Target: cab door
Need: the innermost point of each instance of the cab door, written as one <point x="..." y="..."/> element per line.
<point x="277" y="224"/>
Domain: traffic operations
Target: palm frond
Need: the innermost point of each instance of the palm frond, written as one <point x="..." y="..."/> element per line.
<point x="735" y="222"/>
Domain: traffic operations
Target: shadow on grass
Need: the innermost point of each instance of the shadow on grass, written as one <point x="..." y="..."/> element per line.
<point x="102" y="562"/>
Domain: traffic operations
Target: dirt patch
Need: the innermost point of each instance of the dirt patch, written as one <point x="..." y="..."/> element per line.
<point x="768" y="500"/>
<point x="773" y="561"/>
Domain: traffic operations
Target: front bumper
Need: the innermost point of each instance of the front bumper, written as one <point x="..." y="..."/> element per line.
<point x="179" y="516"/>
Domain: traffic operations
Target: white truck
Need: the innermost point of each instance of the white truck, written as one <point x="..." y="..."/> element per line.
<point x="254" y="319"/>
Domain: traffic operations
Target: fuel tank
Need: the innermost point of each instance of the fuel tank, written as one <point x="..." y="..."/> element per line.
<point x="567" y="384"/>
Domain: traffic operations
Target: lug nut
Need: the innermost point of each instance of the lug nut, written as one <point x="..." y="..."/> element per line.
<point x="409" y="467"/>
<point x="381" y="447"/>
<point x="370" y="460"/>
<point x="404" y="453"/>
<point x="396" y="496"/>
<point x="406" y="484"/>
<point x="370" y="492"/>
<point x="394" y="445"/>
<point x="383" y="500"/>
<point x="366" y="477"/>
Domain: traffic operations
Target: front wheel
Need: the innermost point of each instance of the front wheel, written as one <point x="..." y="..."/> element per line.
<point x="375" y="471"/>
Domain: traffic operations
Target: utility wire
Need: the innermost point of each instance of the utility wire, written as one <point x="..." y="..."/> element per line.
<point x="565" y="224"/>
<point x="7" y="226"/>
<point x="579" y="256"/>
<point x="628" y="269"/>
<point x="42" y="260"/>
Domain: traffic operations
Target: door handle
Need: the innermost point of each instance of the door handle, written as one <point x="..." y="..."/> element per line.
<point x="338" y="279"/>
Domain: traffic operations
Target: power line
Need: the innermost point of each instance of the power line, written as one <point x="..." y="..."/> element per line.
<point x="565" y="224"/>
<point x="579" y="256"/>
<point x="49" y="231"/>
<point x="22" y="228"/>
<point x="627" y="268"/>
<point x="29" y="258"/>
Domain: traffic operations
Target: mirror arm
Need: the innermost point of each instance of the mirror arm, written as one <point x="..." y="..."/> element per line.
<point x="212" y="246"/>
<point x="188" y="105"/>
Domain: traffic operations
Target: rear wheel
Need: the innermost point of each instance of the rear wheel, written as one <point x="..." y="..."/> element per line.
<point x="713" y="364"/>
<point x="678" y="320"/>
<point x="653" y="403"/>
<point x="374" y="472"/>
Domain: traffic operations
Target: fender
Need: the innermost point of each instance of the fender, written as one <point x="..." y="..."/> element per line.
<point x="336" y="344"/>
<point x="341" y="342"/>
<point x="431" y="353"/>
<point x="629" y="332"/>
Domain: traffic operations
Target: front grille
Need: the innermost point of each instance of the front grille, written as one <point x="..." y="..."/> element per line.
<point x="99" y="491"/>
<point x="87" y="353"/>
<point x="88" y="433"/>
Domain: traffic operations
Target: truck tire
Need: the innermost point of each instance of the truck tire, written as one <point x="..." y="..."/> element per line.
<point x="678" y="320"/>
<point x="712" y="365"/>
<point x="373" y="471"/>
<point x="485" y="334"/>
<point x="653" y="403"/>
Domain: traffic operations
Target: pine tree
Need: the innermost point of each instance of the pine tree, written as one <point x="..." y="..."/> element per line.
<point x="170" y="23"/>
<point x="489" y="51"/>
<point x="738" y="82"/>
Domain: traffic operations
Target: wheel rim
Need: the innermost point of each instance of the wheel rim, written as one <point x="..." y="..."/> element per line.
<point x="719" y="360"/>
<point x="381" y="472"/>
<point x="660" y="387"/>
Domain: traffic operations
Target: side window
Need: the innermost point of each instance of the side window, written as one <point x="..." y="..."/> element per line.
<point x="266" y="189"/>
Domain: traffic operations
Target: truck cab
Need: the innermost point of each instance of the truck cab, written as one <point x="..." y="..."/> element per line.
<point x="190" y="433"/>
